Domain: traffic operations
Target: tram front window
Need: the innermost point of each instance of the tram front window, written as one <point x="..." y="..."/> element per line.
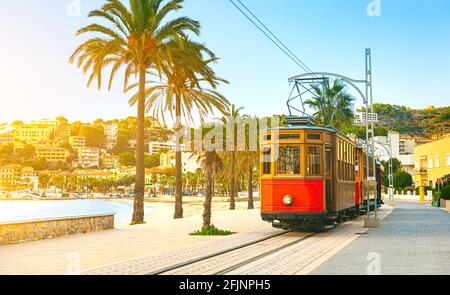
<point x="289" y="160"/>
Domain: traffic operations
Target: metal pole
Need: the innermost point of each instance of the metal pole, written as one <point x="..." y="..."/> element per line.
<point x="367" y="137"/>
<point x="372" y="131"/>
<point x="391" y="174"/>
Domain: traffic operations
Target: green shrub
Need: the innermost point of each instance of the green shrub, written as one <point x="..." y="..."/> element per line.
<point x="212" y="231"/>
<point x="402" y="179"/>
<point x="436" y="196"/>
<point x="445" y="193"/>
<point x="427" y="188"/>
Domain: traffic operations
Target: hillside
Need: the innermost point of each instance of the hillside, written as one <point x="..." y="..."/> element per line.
<point x="429" y="123"/>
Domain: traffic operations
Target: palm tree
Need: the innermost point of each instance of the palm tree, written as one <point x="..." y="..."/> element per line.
<point x="249" y="161"/>
<point x="211" y="162"/>
<point x="138" y="38"/>
<point x="231" y="120"/>
<point x="181" y="89"/>
<point x="332" y="103"/>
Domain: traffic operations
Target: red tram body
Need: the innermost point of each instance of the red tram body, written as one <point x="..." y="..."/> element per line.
<point x="311" y="177"/>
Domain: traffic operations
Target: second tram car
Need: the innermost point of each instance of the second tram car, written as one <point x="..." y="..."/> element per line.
<point x="312" y="177"/>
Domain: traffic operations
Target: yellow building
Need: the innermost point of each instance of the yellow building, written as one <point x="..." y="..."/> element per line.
<point x="432" y="161"/>
<point x="6" y="138"/>
<point x="16" y="177"/>
<point x="109" y="161"/>
<point x="33" y="133"/>
<point x="51" y="153"/>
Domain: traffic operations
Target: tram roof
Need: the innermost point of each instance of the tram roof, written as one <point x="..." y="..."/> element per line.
<point x="303" y="127"/>
<point x="308" y="127"/>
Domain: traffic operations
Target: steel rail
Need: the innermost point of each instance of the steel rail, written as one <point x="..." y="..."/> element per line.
<point x="215" y="254"/>
<point x="268" y="253"/>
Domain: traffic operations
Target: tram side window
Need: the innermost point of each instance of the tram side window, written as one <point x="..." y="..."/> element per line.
<point x="314" y="159"/>
<point x="267" y="161"/>
<point x="289" y="160"/>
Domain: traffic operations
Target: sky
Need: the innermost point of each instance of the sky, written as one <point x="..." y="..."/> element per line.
<point x="410" y="42"/>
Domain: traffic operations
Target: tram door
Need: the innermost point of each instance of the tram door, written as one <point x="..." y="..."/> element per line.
<point x="329" y="178"/>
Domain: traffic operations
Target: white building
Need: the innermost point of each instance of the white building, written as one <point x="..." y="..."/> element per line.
<point x="189" y="162"/>
<point x="402" y="148"/>
<point x="111" y="135"/>
<point x="157" y="147"/>
<point x="88" y="157"/>
<point x="77" y="142"/>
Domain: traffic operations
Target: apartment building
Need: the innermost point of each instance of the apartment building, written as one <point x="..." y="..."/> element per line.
<point x="188" y="161"/>
<point x="51" y="153"/>
<point x="401" y="147"/>
<point x="6" y="138"/>
<point x="109" y="161"/>
<point x="432" y="161"/>
<point x="111" y="135"/>
<point x="17" y="177"/>
<point x="77" y="142"/>
<point x="88" y="157"/>
<point x="33" y="133"/>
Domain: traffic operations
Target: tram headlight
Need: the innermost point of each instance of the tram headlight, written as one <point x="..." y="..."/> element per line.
<point x="288" y="200"/>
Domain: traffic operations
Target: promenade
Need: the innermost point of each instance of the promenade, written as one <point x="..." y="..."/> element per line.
<point x="84" y="252"/>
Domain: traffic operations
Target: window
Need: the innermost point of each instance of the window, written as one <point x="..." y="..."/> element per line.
<point x="289" y="136"/>
<point x="437" y="162"/>
<point x="314" y="156"/>
<point x="328" y="163"/>
<point x="289" y="160"/>
<point x="267" y="160"/>
<point x="314" y="137"/>
<point x="448" y="160"/>
<point x="267" y="137"/>
<point x="430" y="163"/>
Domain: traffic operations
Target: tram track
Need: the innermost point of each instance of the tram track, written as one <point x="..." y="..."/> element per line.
<point x="226" y="261"/>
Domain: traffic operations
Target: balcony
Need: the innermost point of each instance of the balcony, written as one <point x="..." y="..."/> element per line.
<point x="421" y="171"/>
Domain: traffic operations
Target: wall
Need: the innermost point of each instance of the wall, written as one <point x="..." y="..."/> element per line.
<point x="32" y="230"/>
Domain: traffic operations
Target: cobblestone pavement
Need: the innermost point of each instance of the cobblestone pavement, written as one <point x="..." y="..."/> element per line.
<point x="413" y="240"/>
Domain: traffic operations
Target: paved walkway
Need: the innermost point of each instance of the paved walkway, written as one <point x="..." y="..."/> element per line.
<point x="85" y="252"/>
<point x="413" y="240"/>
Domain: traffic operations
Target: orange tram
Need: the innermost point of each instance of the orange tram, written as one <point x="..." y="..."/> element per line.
<point x="312" y="178"/>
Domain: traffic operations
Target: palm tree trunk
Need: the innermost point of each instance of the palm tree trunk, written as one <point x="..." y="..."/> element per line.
<point x="251" y="205"/>
<point x="138" y="211"/>
<point x="179" y="182"/>
<point x="233" y="182"/>
<point x="208" y="202"/>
